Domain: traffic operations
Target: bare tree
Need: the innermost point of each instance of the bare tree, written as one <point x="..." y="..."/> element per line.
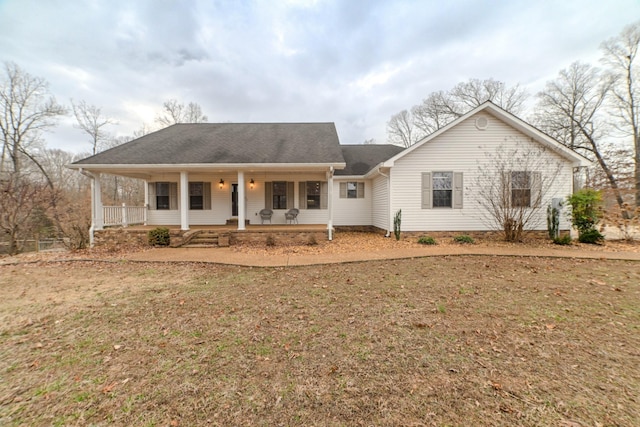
<point x="435" y="111"/>
<point x="26" y="110"/>
<point x="91" y="121"/>
<point x="572" y="110"/>
<point x="468" y="95"/>
<point x="441" y="108"/>
<point x="174" y="112"/>
<point x="621" y="55"/>
<point x="512" y="187"/>
<point x="22" y="201"/>
<point x="401" y="129"/>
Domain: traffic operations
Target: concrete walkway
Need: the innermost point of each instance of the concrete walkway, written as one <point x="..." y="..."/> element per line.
<point x="231" y="257"/>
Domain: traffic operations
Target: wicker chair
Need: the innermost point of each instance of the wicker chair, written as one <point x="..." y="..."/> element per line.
<point x="291" y="216"/>
<point x="265" y="215"/>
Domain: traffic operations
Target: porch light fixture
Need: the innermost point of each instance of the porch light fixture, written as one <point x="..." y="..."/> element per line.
<point x="251" y="183"/>
<point x="221" y="183"/>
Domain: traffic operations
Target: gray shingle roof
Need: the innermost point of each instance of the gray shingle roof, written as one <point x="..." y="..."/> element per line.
<point x="362" y="158"/>
<point x="228" y="143"/>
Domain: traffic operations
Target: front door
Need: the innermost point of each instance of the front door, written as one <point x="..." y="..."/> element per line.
<point x="234" y="199"/>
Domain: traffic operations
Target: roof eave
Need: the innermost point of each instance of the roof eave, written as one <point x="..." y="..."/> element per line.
<point x="216" y="166"/>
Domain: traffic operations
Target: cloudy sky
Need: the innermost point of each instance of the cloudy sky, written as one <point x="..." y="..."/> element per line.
<point x="352" y="62"/>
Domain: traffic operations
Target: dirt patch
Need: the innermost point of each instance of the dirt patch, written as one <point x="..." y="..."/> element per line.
<point x="457" y="340"/>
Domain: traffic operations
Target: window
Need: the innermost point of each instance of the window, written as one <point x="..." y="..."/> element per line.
<point x="352" y="190"/>
<point x="442" y="189"/>
<point x="521" y="189"/>
<point x="196" y="195"/>
<point x="279" y="195"/>
<point x="163" y="198"/>
<point x="313" y="194"/>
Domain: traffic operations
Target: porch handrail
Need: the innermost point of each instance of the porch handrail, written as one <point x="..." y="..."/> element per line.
<point x="124" y="215"/>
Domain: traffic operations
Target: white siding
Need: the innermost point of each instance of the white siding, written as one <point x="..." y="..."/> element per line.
<point x="221" y="199"/>
<point x="380" y="203"/>
<point x="352" y="211"/>
<point x="462" y="148"/>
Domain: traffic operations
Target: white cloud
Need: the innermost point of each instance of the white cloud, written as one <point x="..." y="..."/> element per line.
<point x="352" y="62"/>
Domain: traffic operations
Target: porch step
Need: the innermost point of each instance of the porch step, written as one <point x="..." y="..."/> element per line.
<point x="208" y="239"/>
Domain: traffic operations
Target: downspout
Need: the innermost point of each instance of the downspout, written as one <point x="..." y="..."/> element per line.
<point x="93" y="205"/>
<point x="388" y="199"/>
<point x="330" y="201"/>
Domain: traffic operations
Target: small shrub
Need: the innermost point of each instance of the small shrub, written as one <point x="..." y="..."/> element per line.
<point x="592" y="236"/>
<point x="271" y="240"/>
<point x="312" y="240"/>
<point x="562" y="240"/>
<point x="159" y="237"/>
<point x="463" y="238"/>
<point x="427" y="240"/>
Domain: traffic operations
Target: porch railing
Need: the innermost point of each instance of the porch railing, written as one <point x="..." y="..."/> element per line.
<point x="124" y="215"/>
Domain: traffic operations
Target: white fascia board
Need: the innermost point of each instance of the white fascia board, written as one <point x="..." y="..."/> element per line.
<point x="212" y="166"/>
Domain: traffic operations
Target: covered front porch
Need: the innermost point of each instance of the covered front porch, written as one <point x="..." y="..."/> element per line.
<point x="223" y="200"/>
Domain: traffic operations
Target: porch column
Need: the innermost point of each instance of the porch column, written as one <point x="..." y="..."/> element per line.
<point x="96" y="196"/>
<point x="184" y="200"/>
<point x="146" y="200"/>
<point x="241" y="201"/>
<point x="330" y="203"/>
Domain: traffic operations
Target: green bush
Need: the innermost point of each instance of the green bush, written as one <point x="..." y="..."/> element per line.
<point x="562" y="240"/>
<point x="591" y="236"/>
<point x="427" y="240"/>
<point x="463" y="238"/>
<point x="159" y="237"/>
<point x="585" y="209"/>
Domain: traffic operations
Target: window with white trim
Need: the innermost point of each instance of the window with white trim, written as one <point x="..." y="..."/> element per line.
<point x="163" y="195"/>
<point x="199" y="195"/>
<point x="442" y="189"/>
<point x="313" y="194"/>
<point x="352" y="190"/>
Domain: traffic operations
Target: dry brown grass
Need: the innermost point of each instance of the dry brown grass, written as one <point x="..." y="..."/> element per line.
<point x="434" y="341"/>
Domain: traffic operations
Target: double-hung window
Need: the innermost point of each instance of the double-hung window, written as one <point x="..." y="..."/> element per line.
<point x="313" y="194"/>
<point x="278" y="195"/>
<point x="520" y="189"/>
<point x="200" y="195"/>
<point x="163" y="195"/>
<point x="442" y="189"/>
<point x="525" y="188"/>
<point x="352" y="190"/>
<point x="196" y="195"/>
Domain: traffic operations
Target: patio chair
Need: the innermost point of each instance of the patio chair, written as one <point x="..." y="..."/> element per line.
<point x="291" y="216"/>
<point x="265" y="214"/>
